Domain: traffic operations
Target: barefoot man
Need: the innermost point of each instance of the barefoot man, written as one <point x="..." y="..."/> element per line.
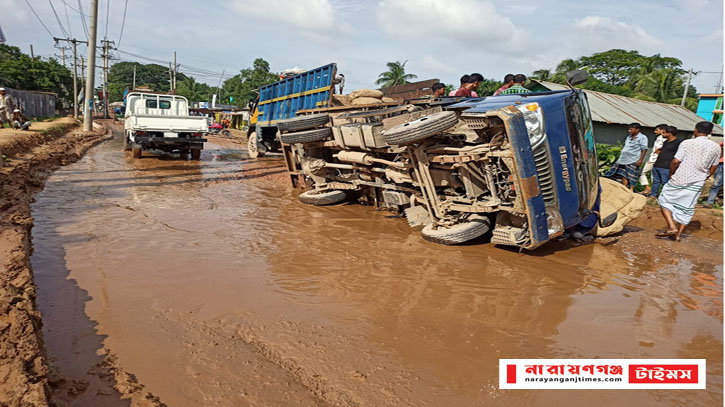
<point x="695" y="160"/>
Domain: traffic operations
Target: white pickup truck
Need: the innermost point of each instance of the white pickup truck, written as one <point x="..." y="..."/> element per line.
<point x="162" y="122"/>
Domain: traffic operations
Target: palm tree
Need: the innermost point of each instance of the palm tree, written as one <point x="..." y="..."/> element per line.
<point x="662" y="85"/>
<point x="542" y="74"/>
<point x="564" y="67"/>
<point x="395" y="75"/>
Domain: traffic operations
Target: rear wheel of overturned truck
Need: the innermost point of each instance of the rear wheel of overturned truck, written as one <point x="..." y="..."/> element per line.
<point x="420" y="129"/>
<point x="472" y="227"/>
<point x="303" y="122"/>
<point x="321" y="198"/>
<point x="196" y="154"/>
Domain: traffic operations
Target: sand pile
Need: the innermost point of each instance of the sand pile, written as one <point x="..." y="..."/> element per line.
<point x="618" y="198"/>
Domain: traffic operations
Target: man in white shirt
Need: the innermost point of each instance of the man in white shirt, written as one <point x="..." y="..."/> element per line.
<point x="695" y="160"/>
<point x="659" y="141"/>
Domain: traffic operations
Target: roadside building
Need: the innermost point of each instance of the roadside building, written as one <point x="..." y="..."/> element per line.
<point x="709" y="107"/>
<point x="612" y="114"/>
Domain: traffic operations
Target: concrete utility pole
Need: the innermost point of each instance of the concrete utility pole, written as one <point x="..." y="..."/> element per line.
<point x="87" y="119"/>
<point x="32" y="54"/>
<point x="105" y="77"/>
<point x="134" y="77"/>
<point x="687" y="87"/>
<point x="171" y="80"/>
<point x="176" y="67"/>
<point x="75" y="43"/>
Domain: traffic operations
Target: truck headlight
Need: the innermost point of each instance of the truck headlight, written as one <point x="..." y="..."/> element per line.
<point x="554" y="221"/>
<point x="534" y="119"/>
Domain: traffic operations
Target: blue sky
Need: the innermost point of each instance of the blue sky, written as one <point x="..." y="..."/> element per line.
<point x="440" y="38"/>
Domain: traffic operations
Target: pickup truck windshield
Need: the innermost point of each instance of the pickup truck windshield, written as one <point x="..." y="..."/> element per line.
<point x="163" y="104"/>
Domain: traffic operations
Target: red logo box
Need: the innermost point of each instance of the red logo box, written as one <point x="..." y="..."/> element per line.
<point x="663" y="374"/>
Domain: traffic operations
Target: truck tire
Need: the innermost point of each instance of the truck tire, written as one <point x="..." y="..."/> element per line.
<point x="254" y="148"/>
<point x="126" y="143"/>
<point x="473" y="227"/>
<point x="306" y="136"/>
<point x="196" y="154"/>
<point x="320" y="198"/>
<point x="136" y="150"/>
<point x="303" y="122"/>
<point x="183" y="153"/>
<point x="420" y="129"/>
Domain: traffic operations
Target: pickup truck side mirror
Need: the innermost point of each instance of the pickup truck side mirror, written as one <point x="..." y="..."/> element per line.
<point x="576" y="77"/>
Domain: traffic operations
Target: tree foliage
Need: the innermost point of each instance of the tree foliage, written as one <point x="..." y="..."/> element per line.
<point x="395" y="75"/>
<point x="628" y="73"/>
<point x="20" y="71"/>
<point x="243" y="87"/>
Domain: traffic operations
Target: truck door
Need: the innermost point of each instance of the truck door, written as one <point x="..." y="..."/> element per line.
<point x="584" y="152"/>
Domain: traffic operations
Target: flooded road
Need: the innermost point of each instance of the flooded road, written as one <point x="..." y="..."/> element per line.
<point x="208" y="284"/>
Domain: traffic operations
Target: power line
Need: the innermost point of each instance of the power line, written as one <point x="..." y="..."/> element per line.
<point x="67" y="20"/>
<point x="62" y="29"/>
<point x="38" y="17"/>
<point x="83" y="19"/>
<point x="123" y="23"/>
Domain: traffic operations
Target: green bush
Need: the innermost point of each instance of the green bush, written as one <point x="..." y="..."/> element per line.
<point x="607" y="155"/>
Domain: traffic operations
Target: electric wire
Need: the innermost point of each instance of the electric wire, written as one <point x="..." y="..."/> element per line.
<point x="38" y="17"/>
<point x="60" y="24"/>
<point x="123" y="23"/>
<point x="83" y="19"/>
<point x="67" y="19"/>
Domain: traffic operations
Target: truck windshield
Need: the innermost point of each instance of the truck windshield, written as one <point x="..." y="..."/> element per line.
<point x="163" y="104"/>
<point x="584" y="151"/>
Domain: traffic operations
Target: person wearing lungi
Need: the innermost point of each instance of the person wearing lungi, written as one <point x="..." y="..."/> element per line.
<point x="630" y="159"/>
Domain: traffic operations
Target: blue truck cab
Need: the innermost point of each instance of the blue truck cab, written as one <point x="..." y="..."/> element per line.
<point x="551" y="136"/>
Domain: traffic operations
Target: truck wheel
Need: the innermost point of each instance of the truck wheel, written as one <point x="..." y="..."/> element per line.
<point x="183" y="153"/>
<point x="126" y="143"/>
<point x="473" y="227"/>
<point x="420" y="129"/>
<point x="303" y="122"/>
<point x="306" y="136"/>
<point x="196" y="154"/>
<point x="254" y="148"/>
<point x="320" y="198"/>
<point x="136" y="151"/>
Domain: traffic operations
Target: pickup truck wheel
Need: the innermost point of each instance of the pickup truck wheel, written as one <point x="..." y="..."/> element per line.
<point x="320" y="198"/>
<point x="473" y="227"/>
<point x="126" y="144"/>
<point x="254" y="148"/>
<point x="303" y="122"/>
<point x="136" y="151"/>
<point x="306" y="136"/>
<point x="183" y="153"/>
<point x="195" y="154"/>
<point x="420" y="129"/>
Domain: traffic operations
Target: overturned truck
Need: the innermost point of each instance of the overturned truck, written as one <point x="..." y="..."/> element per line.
<point x="523" y="167"/>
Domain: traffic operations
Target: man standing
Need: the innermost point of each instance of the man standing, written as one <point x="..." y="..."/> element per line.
<point x="517" y="87"/>
<point x="631" y="157"/>
<point x="666" y="153"/>
<point x="508" y="81"/>
<point x="716" y="184"/>
<point x="695" y="160"/>
<point x="439" y="90"/>
<point x="6" y="108"/>
<point x="659" y="130"/>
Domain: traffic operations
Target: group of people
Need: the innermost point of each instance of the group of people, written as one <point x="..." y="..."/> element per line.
<point x="512" y="84"/>
<point x="679" y="169"/>
<point x="11" y="114"/>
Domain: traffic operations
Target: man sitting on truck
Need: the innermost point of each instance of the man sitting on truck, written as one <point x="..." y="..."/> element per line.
<point x="518" y="86"/>
<point x="439" y="90"/>
<point x="465" y="80"/>
<point x="508" y="81"/>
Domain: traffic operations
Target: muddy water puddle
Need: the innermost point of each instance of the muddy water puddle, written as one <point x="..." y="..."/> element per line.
<point x="210" y="286"/>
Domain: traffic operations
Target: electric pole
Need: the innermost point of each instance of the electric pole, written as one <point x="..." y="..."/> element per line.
<point x="105" y="77"/>
<point x="87" y="119"/>
<point x="171" y="80"/>
<point x="75" y="42"/>
<point x="134" y="77"/>
<point x="32" y="54"/>
<point x="687" y="87"/>
<point x="175" y="69"/>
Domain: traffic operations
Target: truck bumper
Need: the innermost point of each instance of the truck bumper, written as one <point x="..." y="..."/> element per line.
<point x="170" y="141"/>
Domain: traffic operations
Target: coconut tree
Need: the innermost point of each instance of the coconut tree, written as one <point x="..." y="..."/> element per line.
<point x="395" y="75"/>
<point x="542" y="74"/>
<point x="564" y="67"/>
<point x="662" y="85"/>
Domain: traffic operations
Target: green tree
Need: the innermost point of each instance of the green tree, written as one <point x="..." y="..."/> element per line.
<point x="18" y="70"/>
<point x="244" y="87"/>
<point x="542" y="74"/>
<point x="662" y="85"/>
<point x="395" y="75"/>
<point x="153" y="76"/>
<point x="564" y="66"/>
<point x="193" y="90"/>
<point x="488" y="87"/>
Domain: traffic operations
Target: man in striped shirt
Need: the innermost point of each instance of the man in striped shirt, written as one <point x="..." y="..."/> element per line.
<point x="517" y="87"/>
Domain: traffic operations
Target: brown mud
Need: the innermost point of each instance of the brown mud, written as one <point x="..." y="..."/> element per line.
<point x="31" y="156"/>
<point x="185" y="283"/>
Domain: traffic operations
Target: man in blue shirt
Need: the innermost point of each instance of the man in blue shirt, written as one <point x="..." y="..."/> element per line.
<point x="627" y="166"/>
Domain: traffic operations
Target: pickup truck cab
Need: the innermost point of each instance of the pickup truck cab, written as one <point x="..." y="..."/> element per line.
<point x="523" y="167"/>
<point x="162" y="122"/>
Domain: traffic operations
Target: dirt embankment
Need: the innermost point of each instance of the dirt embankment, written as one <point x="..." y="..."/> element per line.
<point x="31" y="156"/>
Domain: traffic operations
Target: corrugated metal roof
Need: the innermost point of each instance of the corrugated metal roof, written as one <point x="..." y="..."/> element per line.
<point x="610" y="108"/>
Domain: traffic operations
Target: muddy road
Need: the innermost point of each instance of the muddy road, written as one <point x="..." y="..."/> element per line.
<point x="208" y="284"/>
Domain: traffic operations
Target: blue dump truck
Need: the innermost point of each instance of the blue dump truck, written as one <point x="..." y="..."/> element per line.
<point x="281" y="100"/>
<point x="520" y="170"/>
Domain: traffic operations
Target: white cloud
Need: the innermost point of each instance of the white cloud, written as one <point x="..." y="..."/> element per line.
<point x="472" y="21"/>
<point x="310" y="16"/>
<point x="597" y="33"/>
<point x="433" y="64"/>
